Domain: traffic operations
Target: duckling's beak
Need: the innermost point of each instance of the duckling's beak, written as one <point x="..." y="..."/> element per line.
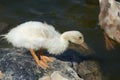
<point x="84" y="45"/>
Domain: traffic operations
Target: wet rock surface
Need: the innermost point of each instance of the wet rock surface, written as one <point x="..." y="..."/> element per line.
<point x="89" y="70"/>
<point x="18" y="64"/>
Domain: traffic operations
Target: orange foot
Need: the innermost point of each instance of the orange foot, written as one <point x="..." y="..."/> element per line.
<point x="41" y="63"/>
<point x="109" y="42"/>
<point x="44" y="58"/>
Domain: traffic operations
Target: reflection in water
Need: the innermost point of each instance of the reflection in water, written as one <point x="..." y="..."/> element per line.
<point x="65" y="15"/>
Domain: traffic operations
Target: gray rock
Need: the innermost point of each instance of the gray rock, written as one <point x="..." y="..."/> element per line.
<point x="18" y="64"/>
<point x="57" y="75"/>
<point x="89" y="70"/>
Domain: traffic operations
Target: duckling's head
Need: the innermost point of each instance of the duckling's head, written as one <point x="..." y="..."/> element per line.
<point x="75" y="37"/>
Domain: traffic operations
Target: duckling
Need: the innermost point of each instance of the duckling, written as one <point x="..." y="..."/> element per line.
<point x="34" y="35"/>
<point x="109" y="20"/>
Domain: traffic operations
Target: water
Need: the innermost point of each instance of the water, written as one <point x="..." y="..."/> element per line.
<point x="65" y="15"/>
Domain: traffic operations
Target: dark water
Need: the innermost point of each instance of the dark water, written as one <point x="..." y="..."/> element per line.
<point x="65" y="15"/>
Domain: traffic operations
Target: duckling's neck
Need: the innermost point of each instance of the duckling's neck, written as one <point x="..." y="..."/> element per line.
<point x="57" y="45"/>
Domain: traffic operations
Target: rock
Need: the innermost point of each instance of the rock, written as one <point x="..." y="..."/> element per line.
<point x="1" y="75"/>
<point x="85" y="65"/>
<point x="54" y="76"/>
<point x="18" y="64"/>
<point x="45" y="78"/>
<point x="89" y="70"/>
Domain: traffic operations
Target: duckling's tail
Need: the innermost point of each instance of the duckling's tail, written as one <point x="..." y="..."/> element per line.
<point x="3" y="36"/>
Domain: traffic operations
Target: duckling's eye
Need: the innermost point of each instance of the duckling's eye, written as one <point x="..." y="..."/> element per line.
<point x="80" y="37"/>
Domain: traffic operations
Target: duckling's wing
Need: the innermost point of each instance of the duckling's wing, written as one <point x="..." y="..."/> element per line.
<point x="34" y="29"/>
<point x="30" y="34"/>
<point x="47" y="31"/>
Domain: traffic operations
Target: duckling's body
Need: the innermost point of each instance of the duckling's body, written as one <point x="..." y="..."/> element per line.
<point x="109" y="20"/>
<point x="35" y="35"/>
